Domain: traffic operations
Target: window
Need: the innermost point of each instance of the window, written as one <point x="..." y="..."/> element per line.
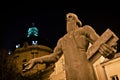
<point x="115" y="77"/>
<point x="18" y="45"/>
<point x="34" y="54"/>
<point x="34" y="42"/>
<point x="9" y="52"/>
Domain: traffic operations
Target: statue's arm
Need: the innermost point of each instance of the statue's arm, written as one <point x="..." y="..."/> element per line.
<point x="91" y="34"/>
<point x="105" y="50"/>
<point x="53" y="57"/>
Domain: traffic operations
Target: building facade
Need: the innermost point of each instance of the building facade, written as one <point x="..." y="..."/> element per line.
<point x="59" y="70"/>
<point x="31" y="47"/>
<point x="106" y="69"/>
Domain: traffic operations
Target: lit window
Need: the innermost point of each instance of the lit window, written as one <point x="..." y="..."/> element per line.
<point x="115" y="77"/>
<point x="34" y="42"/>
<point x="9" y="52"/>
<point x="18" y="45"/>
<point x="34" y="54"/>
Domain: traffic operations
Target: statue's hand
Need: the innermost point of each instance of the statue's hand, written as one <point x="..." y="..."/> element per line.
<point x="29" y="65"/>
<point x="107" y="51"/>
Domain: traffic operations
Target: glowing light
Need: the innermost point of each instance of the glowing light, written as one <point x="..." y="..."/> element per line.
<point x="33" y="31"/>
<point x="34" y="42"/>
<point x="9" y="52"/>
<point x="18" y="45"/>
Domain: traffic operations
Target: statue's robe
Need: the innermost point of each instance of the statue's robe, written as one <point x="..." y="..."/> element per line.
<point x="74" y="46"/>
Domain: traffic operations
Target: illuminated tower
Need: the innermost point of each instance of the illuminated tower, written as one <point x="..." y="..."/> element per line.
<point x="32" y="31"/>
<point x="31" y="47"/>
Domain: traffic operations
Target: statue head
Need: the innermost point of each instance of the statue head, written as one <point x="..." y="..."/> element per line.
<point x="72" y="22"/>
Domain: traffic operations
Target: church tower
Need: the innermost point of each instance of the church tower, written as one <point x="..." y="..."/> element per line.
<point x="31" y="47"/>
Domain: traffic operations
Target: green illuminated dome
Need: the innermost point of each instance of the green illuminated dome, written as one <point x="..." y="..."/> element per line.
<point x="33" y="38"/>
<point x="32" y="31"/>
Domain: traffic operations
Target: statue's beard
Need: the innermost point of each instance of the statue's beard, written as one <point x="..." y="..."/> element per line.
<point x="70" y="26"/>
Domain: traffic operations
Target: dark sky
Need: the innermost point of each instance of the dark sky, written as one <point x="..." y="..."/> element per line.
<point x="49" y="18"/>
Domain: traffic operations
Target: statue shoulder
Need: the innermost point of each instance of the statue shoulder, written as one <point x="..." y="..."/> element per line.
<point x="88" y="28"/>
<point x="60" y="40"/>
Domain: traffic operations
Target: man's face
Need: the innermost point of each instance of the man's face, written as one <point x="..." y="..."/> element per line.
<point x="69" y="18"/>
<point x="71" y="21"/>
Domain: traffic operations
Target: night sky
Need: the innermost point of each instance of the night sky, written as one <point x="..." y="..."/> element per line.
<point x="17" y="17"/>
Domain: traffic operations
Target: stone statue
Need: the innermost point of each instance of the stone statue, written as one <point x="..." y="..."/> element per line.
<point x="74" y="45"/>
